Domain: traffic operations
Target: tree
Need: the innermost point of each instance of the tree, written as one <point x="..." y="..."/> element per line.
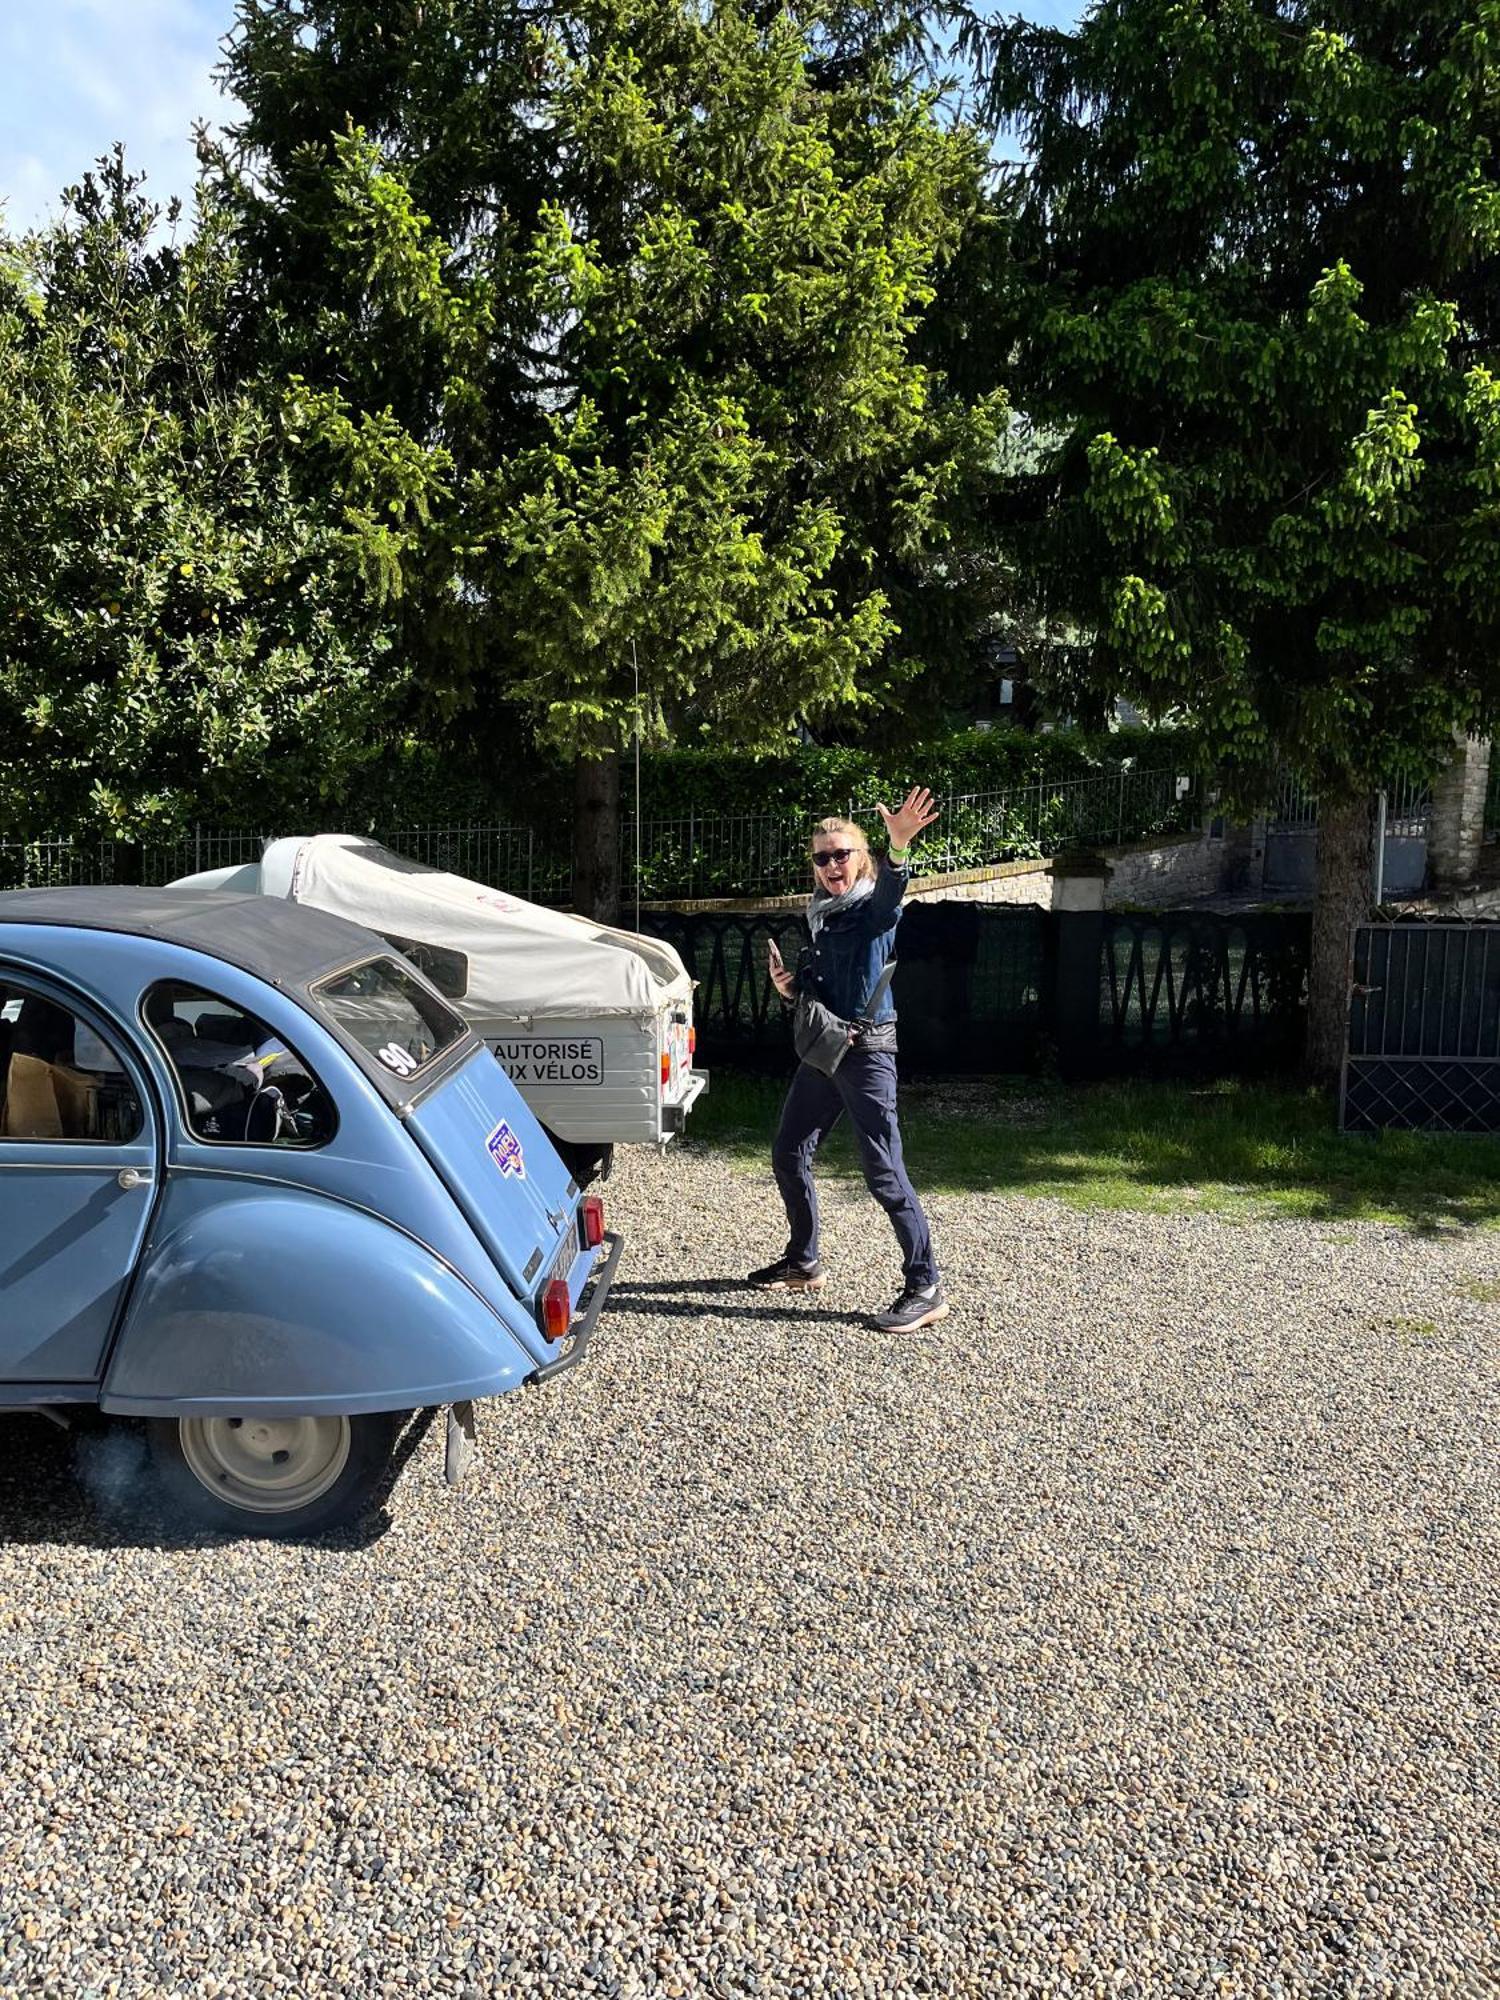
<point x="1257" y="243"/>
<point x="658" y="359"/>
<point x="181" y="625"/>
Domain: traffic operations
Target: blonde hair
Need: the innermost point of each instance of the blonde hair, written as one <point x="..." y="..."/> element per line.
<point x="850" y="836"/>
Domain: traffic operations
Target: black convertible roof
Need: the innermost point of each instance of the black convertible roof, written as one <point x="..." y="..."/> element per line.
<point x="287" y="944"/>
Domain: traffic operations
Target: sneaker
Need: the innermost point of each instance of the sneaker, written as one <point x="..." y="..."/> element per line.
<point x="915" y="1308"/>
<point x="785" y="1276"/>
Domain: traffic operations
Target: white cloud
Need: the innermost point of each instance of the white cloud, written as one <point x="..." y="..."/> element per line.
<point x="80" y="74"/>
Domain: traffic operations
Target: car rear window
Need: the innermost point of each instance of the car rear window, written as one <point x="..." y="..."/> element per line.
<point x="388" y="1013"/>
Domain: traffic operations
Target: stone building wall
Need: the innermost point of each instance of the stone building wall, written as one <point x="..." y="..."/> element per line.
<point x="1455" y="832"/>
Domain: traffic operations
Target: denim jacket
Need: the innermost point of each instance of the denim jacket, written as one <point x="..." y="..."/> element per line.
<point x="841" y="967"/>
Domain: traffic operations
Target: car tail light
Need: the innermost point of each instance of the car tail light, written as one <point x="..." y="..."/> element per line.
<point x="591" y="1216"/>
<point x="666" y="1067"/>
<point x="557" y="1308"/>
<point x="692" y="1043"/>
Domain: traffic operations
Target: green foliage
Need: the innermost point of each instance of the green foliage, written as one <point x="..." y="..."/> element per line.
<point x="644" y="285"/>
<point x="418" y="785"/>
<point x="181" y="626"/>
<point x="811" y="782"/>
<point x="1258" y="314"/>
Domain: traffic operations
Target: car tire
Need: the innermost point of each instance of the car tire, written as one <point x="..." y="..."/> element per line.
<point x="280" y="1477"/>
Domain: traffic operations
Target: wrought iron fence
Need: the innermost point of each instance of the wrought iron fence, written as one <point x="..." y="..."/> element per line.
<point x="715" y="854"/>
<point x="972" y="984"/>
<point x="1200" y="988"/>
<point x="530" y="864"/>
<point x="56" y="864"/>
<point x="197" y="852"/>
<point x="1293" y="808"/>
<point x="977" y="989"/>
<point x="692" y="856"/>
<point x="765" y="854"/>
<point x="1423" y="1047"/>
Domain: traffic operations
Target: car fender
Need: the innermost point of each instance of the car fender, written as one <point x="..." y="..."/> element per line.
<point x="345" y="1315"/>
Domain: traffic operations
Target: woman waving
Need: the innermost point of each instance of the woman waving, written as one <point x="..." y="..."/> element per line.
<point x="852" y="917"/>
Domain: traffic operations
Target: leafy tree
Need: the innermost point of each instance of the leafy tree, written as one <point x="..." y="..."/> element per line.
<point x="641" y="323"/>
<point x="1258" y="240"/>
<point x="180" y="625"/>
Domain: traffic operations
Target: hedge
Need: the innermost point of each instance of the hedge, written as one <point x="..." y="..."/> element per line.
<point x="420" y="789"/>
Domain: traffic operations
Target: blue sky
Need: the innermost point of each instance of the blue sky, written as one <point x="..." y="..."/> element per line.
<point x="76" y="75"/>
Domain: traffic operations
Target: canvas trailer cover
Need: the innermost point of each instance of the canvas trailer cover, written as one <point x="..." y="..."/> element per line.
<point x="594" y="1024"/>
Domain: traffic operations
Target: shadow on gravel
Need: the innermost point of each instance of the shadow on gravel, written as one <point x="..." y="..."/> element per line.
<point x="93" y="1487"/>
<point x="668" y="1302"/>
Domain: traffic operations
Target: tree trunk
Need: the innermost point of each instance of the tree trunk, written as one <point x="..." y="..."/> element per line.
<point x="596" y="837"/>
<point x="1346" y="868"/>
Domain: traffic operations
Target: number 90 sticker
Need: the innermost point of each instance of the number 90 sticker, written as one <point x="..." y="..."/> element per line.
<point x="504" y="1149"/>
<point x="402" y="1061"/>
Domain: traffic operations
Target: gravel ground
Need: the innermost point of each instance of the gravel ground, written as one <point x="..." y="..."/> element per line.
<point x="1131" y="1635"/>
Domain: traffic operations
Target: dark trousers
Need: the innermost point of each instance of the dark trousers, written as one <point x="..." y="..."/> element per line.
<point x="864" y="1085"/>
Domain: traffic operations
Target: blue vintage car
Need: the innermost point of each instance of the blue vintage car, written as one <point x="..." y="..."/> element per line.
<point x="261" y="1186"/>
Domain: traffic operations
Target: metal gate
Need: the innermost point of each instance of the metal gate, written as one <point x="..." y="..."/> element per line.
<point x="1423" y="1047"/>
<point x="1291" y="855"/>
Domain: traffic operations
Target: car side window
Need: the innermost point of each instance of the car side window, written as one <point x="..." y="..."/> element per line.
<point x="242" y="1084"/>
<point x="59" y="1079"/>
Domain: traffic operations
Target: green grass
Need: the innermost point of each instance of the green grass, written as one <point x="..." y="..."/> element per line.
<point x="1239" y="1149"/>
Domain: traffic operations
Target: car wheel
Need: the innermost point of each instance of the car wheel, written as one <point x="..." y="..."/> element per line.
<point x="278" y="1476"/>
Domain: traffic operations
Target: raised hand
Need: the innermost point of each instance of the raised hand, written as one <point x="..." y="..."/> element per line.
<point x="915" y="812"/>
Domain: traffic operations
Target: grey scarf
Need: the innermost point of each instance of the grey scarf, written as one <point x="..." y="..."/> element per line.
<point x="820" y="903"/>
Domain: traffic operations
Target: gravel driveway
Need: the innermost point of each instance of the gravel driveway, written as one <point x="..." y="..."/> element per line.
<point x="1133" y="1634"/>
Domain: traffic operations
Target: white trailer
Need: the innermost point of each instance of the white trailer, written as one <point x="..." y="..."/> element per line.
<point x="595" y="1025"/>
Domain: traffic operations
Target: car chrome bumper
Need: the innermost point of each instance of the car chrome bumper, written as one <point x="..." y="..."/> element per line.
<point x="596" y="1292"/>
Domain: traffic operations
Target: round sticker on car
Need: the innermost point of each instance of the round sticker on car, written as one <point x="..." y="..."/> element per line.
<point x="402" y="1061"/>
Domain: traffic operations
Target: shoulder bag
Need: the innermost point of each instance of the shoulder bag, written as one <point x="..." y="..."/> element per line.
<point x="822" y="1038"/>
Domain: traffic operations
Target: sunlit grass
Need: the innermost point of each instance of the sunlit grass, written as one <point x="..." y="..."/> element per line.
<point x="1242" y="1150"/>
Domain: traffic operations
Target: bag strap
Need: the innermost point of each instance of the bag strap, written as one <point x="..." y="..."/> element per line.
<point x="877" y="994"/>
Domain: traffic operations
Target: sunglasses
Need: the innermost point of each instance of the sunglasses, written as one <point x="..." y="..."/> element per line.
<point x="830" y="855"/>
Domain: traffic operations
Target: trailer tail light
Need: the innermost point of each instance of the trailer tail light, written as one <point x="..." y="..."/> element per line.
<point x="557" y="1308"/>
<point x="591" y="1221"/>
<point x="666" y="1067"/>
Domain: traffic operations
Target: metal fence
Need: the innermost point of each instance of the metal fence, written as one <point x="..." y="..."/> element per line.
<point x="1423" y="1047"/>
<point x="1293" y="808"/>
<point x="535" y="865"/>
<point x="56" y="864"/>
<point x="978" y="988"/>
<point x="689" y="857"/>
<point x="1205" y="989"/>
<point x="704" y="855"/>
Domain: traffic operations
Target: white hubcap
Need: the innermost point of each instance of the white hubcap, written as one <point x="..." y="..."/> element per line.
<point x="267" y="1465"/>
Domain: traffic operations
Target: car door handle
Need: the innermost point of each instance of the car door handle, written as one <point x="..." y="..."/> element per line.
<point x="134" y="1177"/>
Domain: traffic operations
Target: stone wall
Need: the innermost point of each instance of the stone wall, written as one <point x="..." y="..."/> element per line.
<point x="1455" y="833"/>
<point x="1007" y="882"/>
<point x="1167" y="872"/>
